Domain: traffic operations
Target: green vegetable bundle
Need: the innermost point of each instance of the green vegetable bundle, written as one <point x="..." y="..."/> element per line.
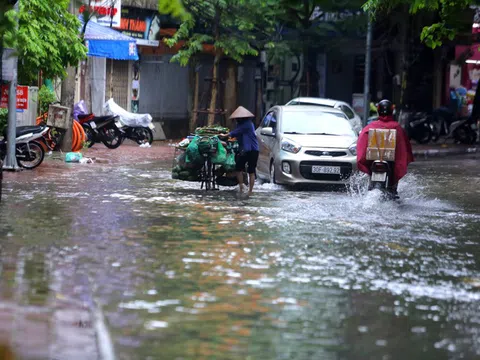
<point x="211" y="130"/>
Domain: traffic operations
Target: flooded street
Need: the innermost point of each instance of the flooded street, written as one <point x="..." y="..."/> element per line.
<point x="154" y="268"/>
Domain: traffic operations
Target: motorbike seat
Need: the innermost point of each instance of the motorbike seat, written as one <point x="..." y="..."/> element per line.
<point x="83" y="116"/>
<point x="23" y="130"/>
<point x="99" y="119"/>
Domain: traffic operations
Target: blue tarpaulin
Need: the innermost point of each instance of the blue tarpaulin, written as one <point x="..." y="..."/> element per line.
<point x="105" y="42"/>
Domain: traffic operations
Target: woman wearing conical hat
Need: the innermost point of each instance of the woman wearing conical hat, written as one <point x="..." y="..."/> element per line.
<point x="247" y="141"/>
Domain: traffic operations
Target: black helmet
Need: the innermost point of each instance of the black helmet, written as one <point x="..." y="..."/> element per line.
<point x="385" y="108"/>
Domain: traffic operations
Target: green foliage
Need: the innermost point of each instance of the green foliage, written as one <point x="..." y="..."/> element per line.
<point x="7" y="20"/>
<point x="3" y="119"/>
<point x="246" y="26"/>
<point x="435" y="34"/>
<point x="235" y="28"/>
<point x="47" y="39"/>
<point x="173" y="7"/>
<point x="45" y="98"/>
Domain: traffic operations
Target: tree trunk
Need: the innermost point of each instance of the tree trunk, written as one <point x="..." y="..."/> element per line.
<point x="194" y="117"/>
<point x="230" y="92"/>
<point x="213" y="100"/>
<point x="67" y="99"/>
<point x="259" y="102"/>
<point x="437" y="78"/>
<point x="402" y="56"/>
<point x="68" y="95"/>
<point x="306" y="72"/>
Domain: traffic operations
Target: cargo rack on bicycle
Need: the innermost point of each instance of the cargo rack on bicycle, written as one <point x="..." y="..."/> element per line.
<point x="203" y="157"/>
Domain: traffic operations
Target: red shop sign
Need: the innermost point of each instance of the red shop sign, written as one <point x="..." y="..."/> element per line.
<point x="22" y="97"/>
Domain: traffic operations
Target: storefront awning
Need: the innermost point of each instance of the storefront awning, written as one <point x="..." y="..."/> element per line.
<point x="105" y="42"/>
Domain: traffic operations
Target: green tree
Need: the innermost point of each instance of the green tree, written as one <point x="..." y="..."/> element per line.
<point x="445" y="26"/>
<point x="308" y="31"/>
<point x="173" y="7"/>
<point x="235" y="29"/>
<point x="7" y="22"/>
<point x="47" y="39"/>
<point x="286" y="27"/>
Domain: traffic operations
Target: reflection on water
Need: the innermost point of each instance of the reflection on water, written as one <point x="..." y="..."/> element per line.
<point x="184" y="274"/>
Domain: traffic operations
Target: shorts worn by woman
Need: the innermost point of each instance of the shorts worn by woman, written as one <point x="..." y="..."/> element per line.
<point x="249" y="158"/>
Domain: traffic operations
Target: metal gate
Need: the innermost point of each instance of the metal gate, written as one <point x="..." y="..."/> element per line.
<point x="164" y="88"/>
<point x="117" y="87"/>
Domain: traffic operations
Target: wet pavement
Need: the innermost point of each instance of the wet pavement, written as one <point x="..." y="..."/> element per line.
<point x="118" y="260"/>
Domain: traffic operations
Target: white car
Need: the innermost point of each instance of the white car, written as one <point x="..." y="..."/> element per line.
<point x="306" y="145"/>
<point x="353" y="117"/>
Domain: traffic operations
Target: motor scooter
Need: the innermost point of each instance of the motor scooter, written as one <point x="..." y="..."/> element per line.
<point x="382" y="173"/>
<point x="29" y="153"/>
<point x="464" y="131"/>
<point x="98" y="128"/>
<point x="133" y="126"/>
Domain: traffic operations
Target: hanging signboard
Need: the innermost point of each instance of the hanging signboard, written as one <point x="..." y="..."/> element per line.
<point x="107" y="12"/>
<point x="142" y="24"/>
<point x="22" y="97"/>
<point x="8" y="64"/>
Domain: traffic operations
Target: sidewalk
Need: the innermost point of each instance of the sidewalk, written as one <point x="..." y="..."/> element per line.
<point x="442" y="150"/>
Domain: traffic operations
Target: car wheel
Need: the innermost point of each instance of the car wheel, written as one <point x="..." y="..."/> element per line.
<point x="272" y="173"/>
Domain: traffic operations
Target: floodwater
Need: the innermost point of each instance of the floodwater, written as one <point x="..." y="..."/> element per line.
<point x="124" y="262"/>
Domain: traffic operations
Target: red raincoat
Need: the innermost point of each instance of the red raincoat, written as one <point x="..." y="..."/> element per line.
<point x="403" y="151"/>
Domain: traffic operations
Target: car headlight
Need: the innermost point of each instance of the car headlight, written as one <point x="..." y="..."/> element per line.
<point x="290" y="146"/>
<point x="353" y="149"/>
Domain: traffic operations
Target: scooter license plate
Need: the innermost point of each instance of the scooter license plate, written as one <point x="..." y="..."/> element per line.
<point x="119" y="124"/>
<point x="379" y="177"/>
<point x="93" y="125"/>
<point x="151" y="126"/>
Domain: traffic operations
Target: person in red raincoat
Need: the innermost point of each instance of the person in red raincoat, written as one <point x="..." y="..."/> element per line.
<point x="403" y="151"/>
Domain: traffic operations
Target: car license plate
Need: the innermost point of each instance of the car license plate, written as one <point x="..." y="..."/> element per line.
<point x="93" y="125"/>
<point x="326" y="169"/>
<point x="151" y="126"/>
<point x="379" y="176"/>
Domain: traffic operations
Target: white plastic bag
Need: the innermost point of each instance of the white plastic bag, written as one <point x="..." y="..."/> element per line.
<point x="125" y="117"/>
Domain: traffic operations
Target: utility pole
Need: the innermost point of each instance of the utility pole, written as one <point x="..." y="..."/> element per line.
<point x="368" y="66"/>
<point x="68" y="95"/>
<point x="11" y="160"/>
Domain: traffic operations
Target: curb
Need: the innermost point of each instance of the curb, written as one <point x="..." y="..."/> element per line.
<point x="445" y="152"/>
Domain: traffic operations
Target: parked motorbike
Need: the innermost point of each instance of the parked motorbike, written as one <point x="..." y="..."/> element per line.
<point x="29" y="153"/>
<point x="101" y="129"/>
<point x="138" y="134"/>
<point x="382" y="172"/>
<point x="464" y="131"/>
<point x="418" y="127"/>
<point x="442" y="119"/>
<point x="136" y="127"/>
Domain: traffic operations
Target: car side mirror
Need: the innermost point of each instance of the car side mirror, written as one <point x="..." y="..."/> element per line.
<point x="268" y="131"/>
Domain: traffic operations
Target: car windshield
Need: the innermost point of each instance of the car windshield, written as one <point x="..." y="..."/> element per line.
<point x="316" y="123"/>
<point x="308" y="103"/>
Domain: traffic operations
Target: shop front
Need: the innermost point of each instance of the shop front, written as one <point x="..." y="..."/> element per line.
<point x="463" y="77"/>
<point x="106" y="73"/>
<point x="159" y="87"/>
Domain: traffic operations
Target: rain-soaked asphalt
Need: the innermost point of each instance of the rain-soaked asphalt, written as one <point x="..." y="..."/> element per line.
<point x="181" y="274"/>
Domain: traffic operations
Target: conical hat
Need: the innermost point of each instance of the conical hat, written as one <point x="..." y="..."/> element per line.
<point x="240" y="113"/>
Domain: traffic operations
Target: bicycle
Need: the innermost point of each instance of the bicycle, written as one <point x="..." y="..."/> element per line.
<point x="207" y="172"/>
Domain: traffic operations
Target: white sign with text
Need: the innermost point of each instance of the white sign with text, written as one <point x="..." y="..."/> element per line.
<point x="107" y="12"/>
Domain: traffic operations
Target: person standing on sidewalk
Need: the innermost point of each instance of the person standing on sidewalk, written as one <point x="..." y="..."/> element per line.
<point x="248" y="144"/>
